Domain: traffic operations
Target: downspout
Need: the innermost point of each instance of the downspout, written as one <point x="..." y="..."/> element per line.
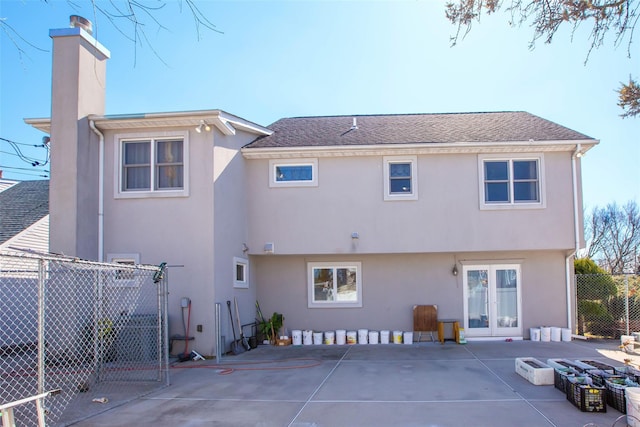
<point x="100" y="191"/>
<point x="576" y="230"/>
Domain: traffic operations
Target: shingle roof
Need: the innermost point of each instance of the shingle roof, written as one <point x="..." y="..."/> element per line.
<point x="21" y="206"/>
<point x="413" y="129"/>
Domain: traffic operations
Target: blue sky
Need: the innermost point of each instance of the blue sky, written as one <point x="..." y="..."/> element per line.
<point x="286" y="59"/>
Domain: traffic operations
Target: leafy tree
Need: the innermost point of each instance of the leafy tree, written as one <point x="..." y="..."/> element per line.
<point x="546" y="16"/>
<point x="131" y="18"/>
<point x="594" y="289"/>
<point x="613" y="237"/>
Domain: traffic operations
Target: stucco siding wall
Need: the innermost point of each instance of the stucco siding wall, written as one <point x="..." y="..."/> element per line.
<point x="79" y="73"/>
<point x="176" y="230"/>
<point x="445" y="218"/>
<point x="230" y="227"/>
<point x="392" y="284"/>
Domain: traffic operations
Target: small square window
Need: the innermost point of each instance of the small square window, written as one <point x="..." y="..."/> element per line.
<point x="400" y="178"/>
<point x="240" y="273"/>
<point x="125" y="276"/>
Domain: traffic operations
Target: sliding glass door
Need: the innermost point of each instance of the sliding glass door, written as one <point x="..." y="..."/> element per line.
<point x="492" y="300"/>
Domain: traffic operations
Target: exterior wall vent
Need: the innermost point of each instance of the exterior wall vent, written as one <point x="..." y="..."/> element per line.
<point x="76" y="21"/>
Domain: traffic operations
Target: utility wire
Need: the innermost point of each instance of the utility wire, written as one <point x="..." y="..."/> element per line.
<point x="30" y="160"/>
<point x="20" y="169"/>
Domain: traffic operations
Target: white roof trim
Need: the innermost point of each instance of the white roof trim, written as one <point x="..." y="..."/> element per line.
<point x="426" y="148"/>
<point x="225" y="122"/>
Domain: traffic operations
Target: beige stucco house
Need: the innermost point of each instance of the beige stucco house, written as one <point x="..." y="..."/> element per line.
<point x="339" y="222"/>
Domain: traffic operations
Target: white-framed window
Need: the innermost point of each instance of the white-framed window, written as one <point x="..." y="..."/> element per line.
<point x="400" y="177"/>
<point x="124" y="276"/>
<point x="511" y="182"/>
<point x="152" y="166"/>
<point x="293" y="173"/>
<point x="334" y="284"/>
<point x="240" y="272"/>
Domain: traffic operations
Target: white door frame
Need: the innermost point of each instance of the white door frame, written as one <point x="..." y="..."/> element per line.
<point x="487" y="305"/>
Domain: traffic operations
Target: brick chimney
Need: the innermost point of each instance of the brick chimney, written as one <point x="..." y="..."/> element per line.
<point x="78" y="90"/>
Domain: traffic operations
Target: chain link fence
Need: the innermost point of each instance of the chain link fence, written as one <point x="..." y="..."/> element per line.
<point x="93" y="330"/>
<point x="608" y="306"/>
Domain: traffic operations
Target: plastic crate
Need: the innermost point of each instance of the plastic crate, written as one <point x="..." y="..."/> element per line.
<point x="616" y="396"/>
<point x="599" y="377"/>
<point x="564" y="363"/>
<point x="586" y="397"/>
<point x="560" y="376"/>
<point x="629" y="372"/>
<point x="602" y="366"/>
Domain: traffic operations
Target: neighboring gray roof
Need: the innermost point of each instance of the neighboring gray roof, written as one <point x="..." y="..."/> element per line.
<point x="412" y="129"/>
<point x="21" y="206"/>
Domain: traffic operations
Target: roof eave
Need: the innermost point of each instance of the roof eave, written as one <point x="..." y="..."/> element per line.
<point x="225" y="122"/>
<point x="420" y="148"/>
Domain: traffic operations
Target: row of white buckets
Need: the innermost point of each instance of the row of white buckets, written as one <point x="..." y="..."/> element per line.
<point x="342" y="336"/>
<point x="550" y="333"/>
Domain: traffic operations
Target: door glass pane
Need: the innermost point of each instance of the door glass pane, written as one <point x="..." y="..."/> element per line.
<point x="507" y="298"/>
<point x="478" y="298"/>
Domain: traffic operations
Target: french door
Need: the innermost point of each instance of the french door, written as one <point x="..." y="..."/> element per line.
<point x="492" y="306"/>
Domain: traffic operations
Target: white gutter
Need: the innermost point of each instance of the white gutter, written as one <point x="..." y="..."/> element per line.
<point x="576" y="230"/>
<point x="100" y="192"/>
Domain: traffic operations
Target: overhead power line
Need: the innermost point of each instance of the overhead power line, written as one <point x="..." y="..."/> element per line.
<point x="30" y="160"/>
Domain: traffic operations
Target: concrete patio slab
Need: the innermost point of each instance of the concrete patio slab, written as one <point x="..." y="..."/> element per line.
<point x="424" y="384"/>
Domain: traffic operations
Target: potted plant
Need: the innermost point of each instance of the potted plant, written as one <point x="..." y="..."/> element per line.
<point x="270" y="328"/>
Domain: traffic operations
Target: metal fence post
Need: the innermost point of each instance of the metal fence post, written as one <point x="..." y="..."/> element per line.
<point x="41" y="320"/>
<point x="626" y="301"/>
<point x="165" y="348"/>
<point x="217" y="334"/>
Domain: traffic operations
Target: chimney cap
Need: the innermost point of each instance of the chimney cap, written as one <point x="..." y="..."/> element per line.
<point x="76" y="21"/>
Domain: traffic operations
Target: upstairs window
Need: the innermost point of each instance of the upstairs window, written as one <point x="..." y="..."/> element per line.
<point x="400" y="178"/>
<point x="293" y="173"/>
<point x="510" y="182"/>
<point x="151" y="166"/>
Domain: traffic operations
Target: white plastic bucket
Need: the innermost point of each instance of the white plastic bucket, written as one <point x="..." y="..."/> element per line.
<point x="545" y="333"/>
<point x="384" y="337"/>
<point x="555" y="334"/>
<point x="397" y="337"/>
<point x="317" y="338"/>
<point x="341" y="337"/>
<point x="408" y="337"/>
<point x="373" y="337"/>
<point x="566" y="334"/>
<point x="352" y="337"/>
<point x="363" y="335"/>
<point x="307" y="337"/>
<point x="329" y="337"/>
<point x="296" y="336"/>
<point x="626" y="341"/>
<point x="633" y="405"/>
<point x="534" y="333"/>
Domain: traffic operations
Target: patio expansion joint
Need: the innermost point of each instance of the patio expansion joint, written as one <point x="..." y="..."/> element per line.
<point x="517" y="393"/>
<point x="326" y="378"/>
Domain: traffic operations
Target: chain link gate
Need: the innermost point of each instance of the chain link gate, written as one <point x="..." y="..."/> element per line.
<point x="93" y="330"/>
<point x="607" y="306"/>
